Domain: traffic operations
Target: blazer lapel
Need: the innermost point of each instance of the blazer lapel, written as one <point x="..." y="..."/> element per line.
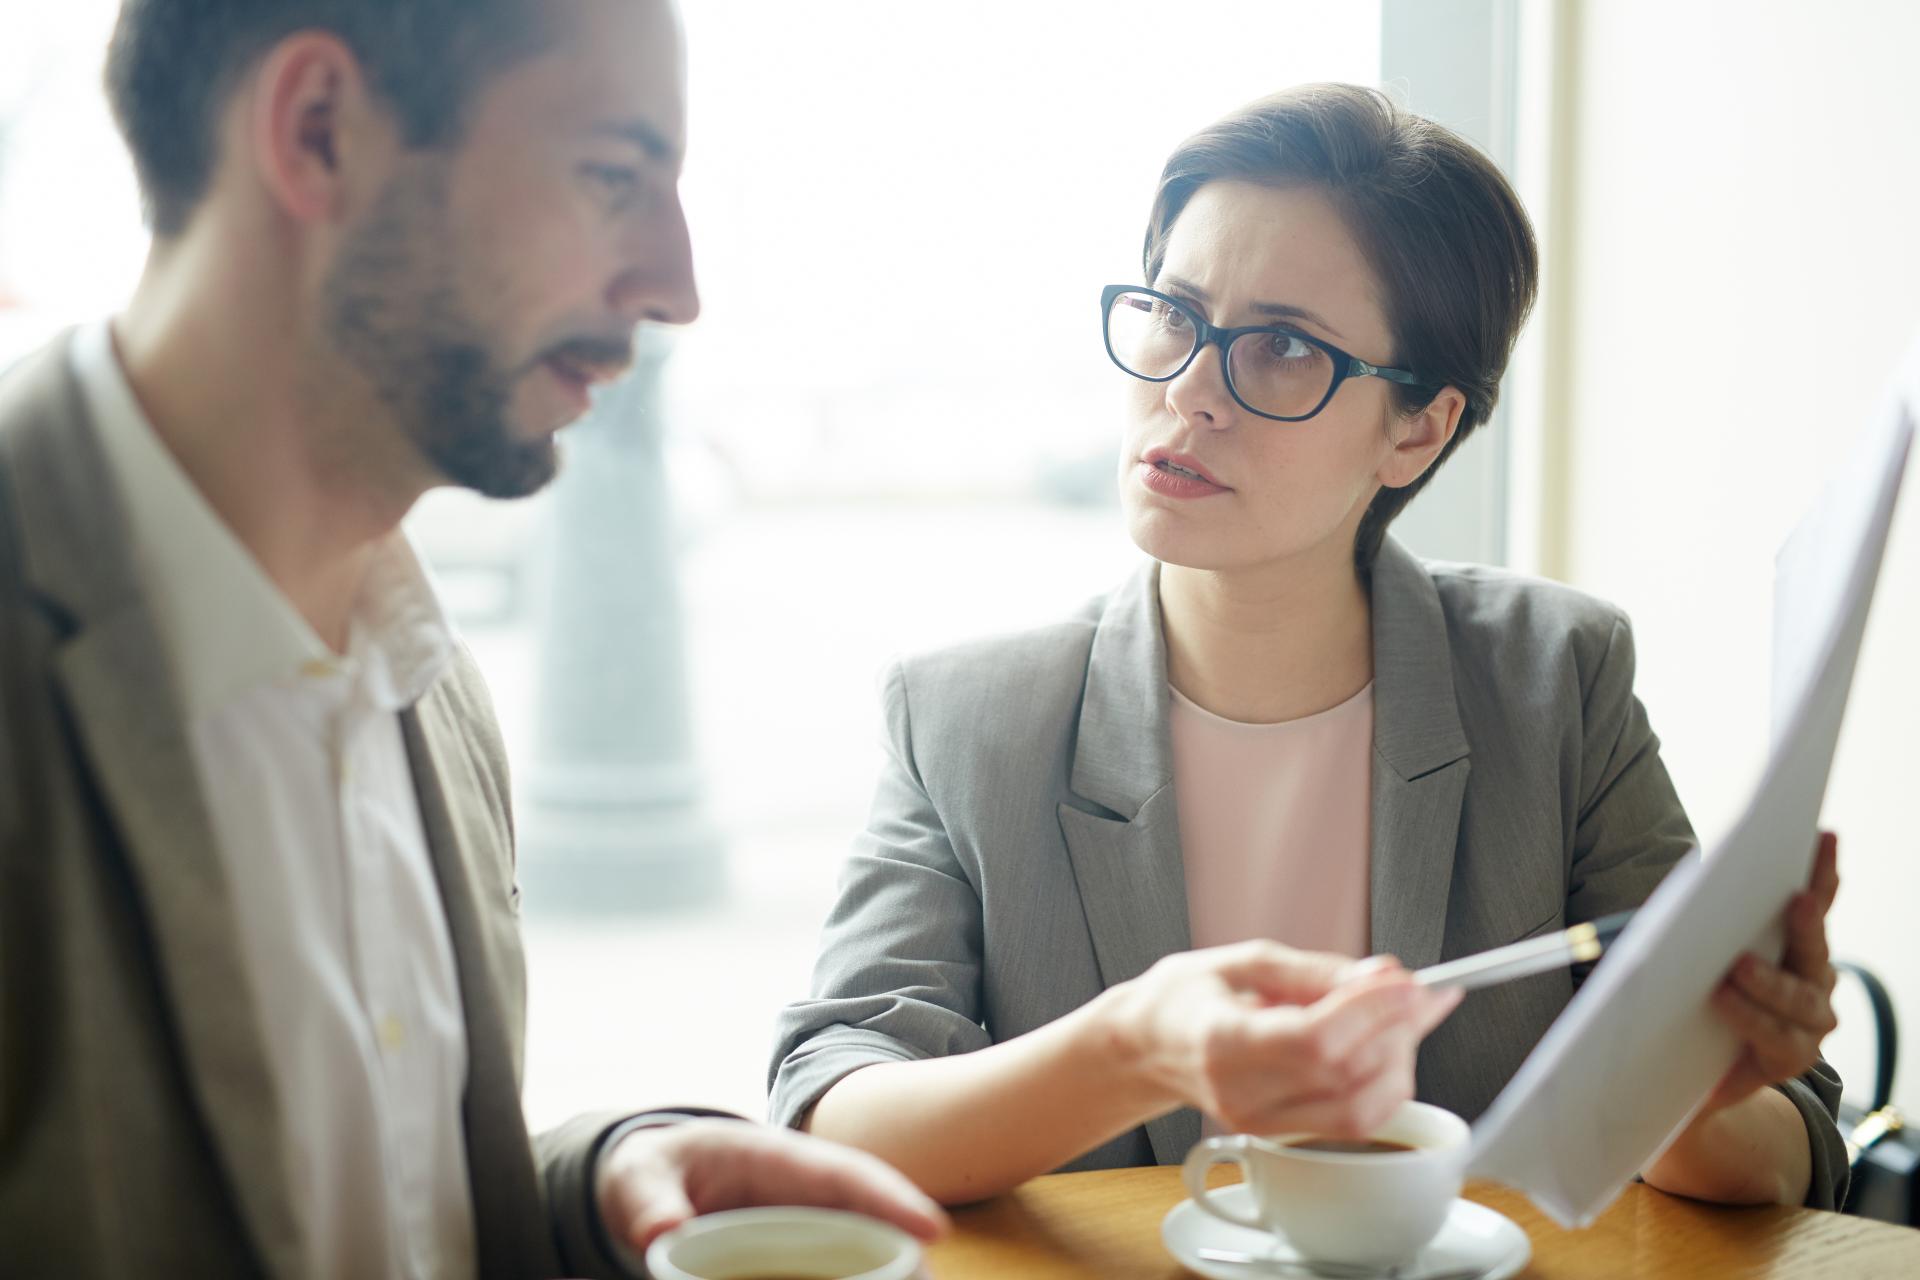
<point x="1420" y="761"/>
<point x="1127" y="860"/>
<point x="510" y="1226"/>
<point x="1126" y="856"/>
<point x="117" y="684"/>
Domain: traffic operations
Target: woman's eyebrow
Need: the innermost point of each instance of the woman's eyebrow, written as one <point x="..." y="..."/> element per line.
<point x="1285" y="311"/>
<point x="1278" y="310"/>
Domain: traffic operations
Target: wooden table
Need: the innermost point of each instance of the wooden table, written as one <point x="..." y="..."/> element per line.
<point x="1106" y="1226"/>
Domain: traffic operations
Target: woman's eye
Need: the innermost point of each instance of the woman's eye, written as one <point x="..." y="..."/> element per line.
<point x="1172" y="317"/>
<point x="1287" y="346"/>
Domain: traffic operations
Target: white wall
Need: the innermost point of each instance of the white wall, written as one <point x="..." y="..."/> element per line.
<point x="1739" y="260"/>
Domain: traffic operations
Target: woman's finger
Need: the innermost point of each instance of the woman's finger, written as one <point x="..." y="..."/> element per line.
<point x="1320" y="1043"/>
<point x="1355" y="1114"/>
<point x="1280" y="974"/>
<point x="1825" y="881"/>
<point x="1806" y="952"/>
<point x="1794" y="1000"/>
<point x="1753" y="1023"/>
<point x="1779" y="1050"/>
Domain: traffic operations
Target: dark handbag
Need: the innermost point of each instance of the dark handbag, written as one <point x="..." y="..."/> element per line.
<point x="1885" y="1153"/>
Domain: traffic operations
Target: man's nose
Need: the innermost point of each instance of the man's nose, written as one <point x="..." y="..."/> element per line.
<point x="656" y="282"/>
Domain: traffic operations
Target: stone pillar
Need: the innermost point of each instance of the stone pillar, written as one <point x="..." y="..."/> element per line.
<point x="615" y="819"/>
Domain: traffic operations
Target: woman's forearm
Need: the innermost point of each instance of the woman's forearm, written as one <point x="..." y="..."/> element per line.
<point x="974" y="1125"/>
<point x="1754" y="1152"/>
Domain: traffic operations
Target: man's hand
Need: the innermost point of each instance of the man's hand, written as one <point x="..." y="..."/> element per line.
<point x="653" y="1180"/>
<point x="1783" y="1011"/>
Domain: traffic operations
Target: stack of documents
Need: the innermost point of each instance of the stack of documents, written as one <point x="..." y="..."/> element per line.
<point x="1638" y="1050"/>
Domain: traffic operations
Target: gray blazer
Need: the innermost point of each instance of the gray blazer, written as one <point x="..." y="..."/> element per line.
<point x="139" y="1127"/>
<point x="1023" y="851"/>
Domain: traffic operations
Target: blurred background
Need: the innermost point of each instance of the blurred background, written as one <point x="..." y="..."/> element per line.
<point x="892" y="426"/>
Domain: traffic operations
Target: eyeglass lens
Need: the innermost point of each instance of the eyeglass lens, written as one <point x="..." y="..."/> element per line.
<point x="1275" y="373"/>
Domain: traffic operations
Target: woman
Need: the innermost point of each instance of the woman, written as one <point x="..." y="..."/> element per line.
<point x="1054" y="944"/>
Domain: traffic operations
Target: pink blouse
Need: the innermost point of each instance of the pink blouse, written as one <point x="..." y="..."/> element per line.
<point x="1275" y="824"/>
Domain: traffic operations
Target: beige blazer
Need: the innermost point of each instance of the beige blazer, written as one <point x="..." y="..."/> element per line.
<point x="138" y="1119"/>
<point x="1023" y="851"/>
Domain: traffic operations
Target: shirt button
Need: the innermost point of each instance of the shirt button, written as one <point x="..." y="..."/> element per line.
<point x="393" y="1033"/>
<point x="317" y="669"/>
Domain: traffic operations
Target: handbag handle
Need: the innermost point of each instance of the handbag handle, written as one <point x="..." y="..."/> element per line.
<point x="1886" y="1030"/>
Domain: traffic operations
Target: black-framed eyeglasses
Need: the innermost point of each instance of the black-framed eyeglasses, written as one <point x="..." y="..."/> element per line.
<point x="1272" y="370"/>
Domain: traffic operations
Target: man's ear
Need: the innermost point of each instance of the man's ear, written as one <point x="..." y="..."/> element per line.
<point x="310" y="124"/>
<point x="1419" y="439"/>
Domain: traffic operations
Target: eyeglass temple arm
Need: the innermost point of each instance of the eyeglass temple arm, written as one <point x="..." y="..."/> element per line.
<point x="1361" y="369"/>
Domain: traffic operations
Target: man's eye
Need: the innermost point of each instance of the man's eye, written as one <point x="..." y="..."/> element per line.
<point x="618" y="182"/>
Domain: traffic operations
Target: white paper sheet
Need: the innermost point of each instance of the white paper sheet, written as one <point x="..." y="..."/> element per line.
<point x="1628" y="1062"/>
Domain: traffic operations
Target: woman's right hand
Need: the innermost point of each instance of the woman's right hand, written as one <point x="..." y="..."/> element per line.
<point x="1267" y="1039"/>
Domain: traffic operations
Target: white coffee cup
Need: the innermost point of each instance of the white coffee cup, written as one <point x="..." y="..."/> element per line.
<point x="1375" y="1208"/>
<point x="818" y="1244"/>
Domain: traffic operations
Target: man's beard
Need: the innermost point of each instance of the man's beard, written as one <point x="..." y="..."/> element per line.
<point x="392" y="311"/>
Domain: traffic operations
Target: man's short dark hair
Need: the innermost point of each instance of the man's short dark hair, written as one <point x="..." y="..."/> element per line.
<point x="174" y="63"/>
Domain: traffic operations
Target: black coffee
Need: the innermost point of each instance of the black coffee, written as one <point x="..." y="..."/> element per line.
<point x="1350" y="1146"/>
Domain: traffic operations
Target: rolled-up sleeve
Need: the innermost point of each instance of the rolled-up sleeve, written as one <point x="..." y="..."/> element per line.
<point x="1817" y="1097"/>
<point x="898" y="976"/>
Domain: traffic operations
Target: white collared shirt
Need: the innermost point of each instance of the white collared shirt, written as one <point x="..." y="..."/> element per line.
<point x="300" y="755"/>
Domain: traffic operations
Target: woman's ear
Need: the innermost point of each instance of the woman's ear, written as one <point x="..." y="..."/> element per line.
<point x="1419" y="438"/>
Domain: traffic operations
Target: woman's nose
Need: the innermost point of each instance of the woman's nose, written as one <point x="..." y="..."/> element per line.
<point x="1199" y="393"/>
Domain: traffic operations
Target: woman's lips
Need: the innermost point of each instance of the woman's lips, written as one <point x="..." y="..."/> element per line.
<point x="1170" y="480"/>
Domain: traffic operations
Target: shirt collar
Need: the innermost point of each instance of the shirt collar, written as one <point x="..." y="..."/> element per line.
<point x="227" y="627"/>
<point x="401" y="630"/>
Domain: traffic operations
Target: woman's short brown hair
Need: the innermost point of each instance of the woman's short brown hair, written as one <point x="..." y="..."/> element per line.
<point x="1439" y="224"/>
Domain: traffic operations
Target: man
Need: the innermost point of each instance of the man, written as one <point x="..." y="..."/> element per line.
<point x="261" y="988"/>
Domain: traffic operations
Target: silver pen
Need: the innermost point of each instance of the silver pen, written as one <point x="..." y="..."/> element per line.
<point x="1577" y="945"/>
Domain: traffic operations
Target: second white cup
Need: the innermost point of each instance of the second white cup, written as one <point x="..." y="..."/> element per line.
<point x="804" y="1243"/>
<point x="1373" y="1208"/>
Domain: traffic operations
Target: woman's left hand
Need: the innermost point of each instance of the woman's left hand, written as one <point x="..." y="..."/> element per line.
<point x="1783" y="1011"/>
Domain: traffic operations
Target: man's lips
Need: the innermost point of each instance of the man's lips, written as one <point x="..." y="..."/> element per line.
<point x="578" y="368"/>
<point x="569" y="375"/>
<point x="586" y="370"/>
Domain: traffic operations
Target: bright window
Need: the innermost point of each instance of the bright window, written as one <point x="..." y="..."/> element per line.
<point x="891" y="428"/>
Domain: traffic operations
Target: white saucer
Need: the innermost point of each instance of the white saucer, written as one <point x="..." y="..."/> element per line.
<point x="1472" y="1236"/>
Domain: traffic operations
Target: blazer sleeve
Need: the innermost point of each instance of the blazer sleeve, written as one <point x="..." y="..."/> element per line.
<point x="1630" y="832"/>
<point x="1630" y="828"/>
<point x="567" y="1156"/>
<point x="898" y="975"/>
<point x="569" y="1159"/>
